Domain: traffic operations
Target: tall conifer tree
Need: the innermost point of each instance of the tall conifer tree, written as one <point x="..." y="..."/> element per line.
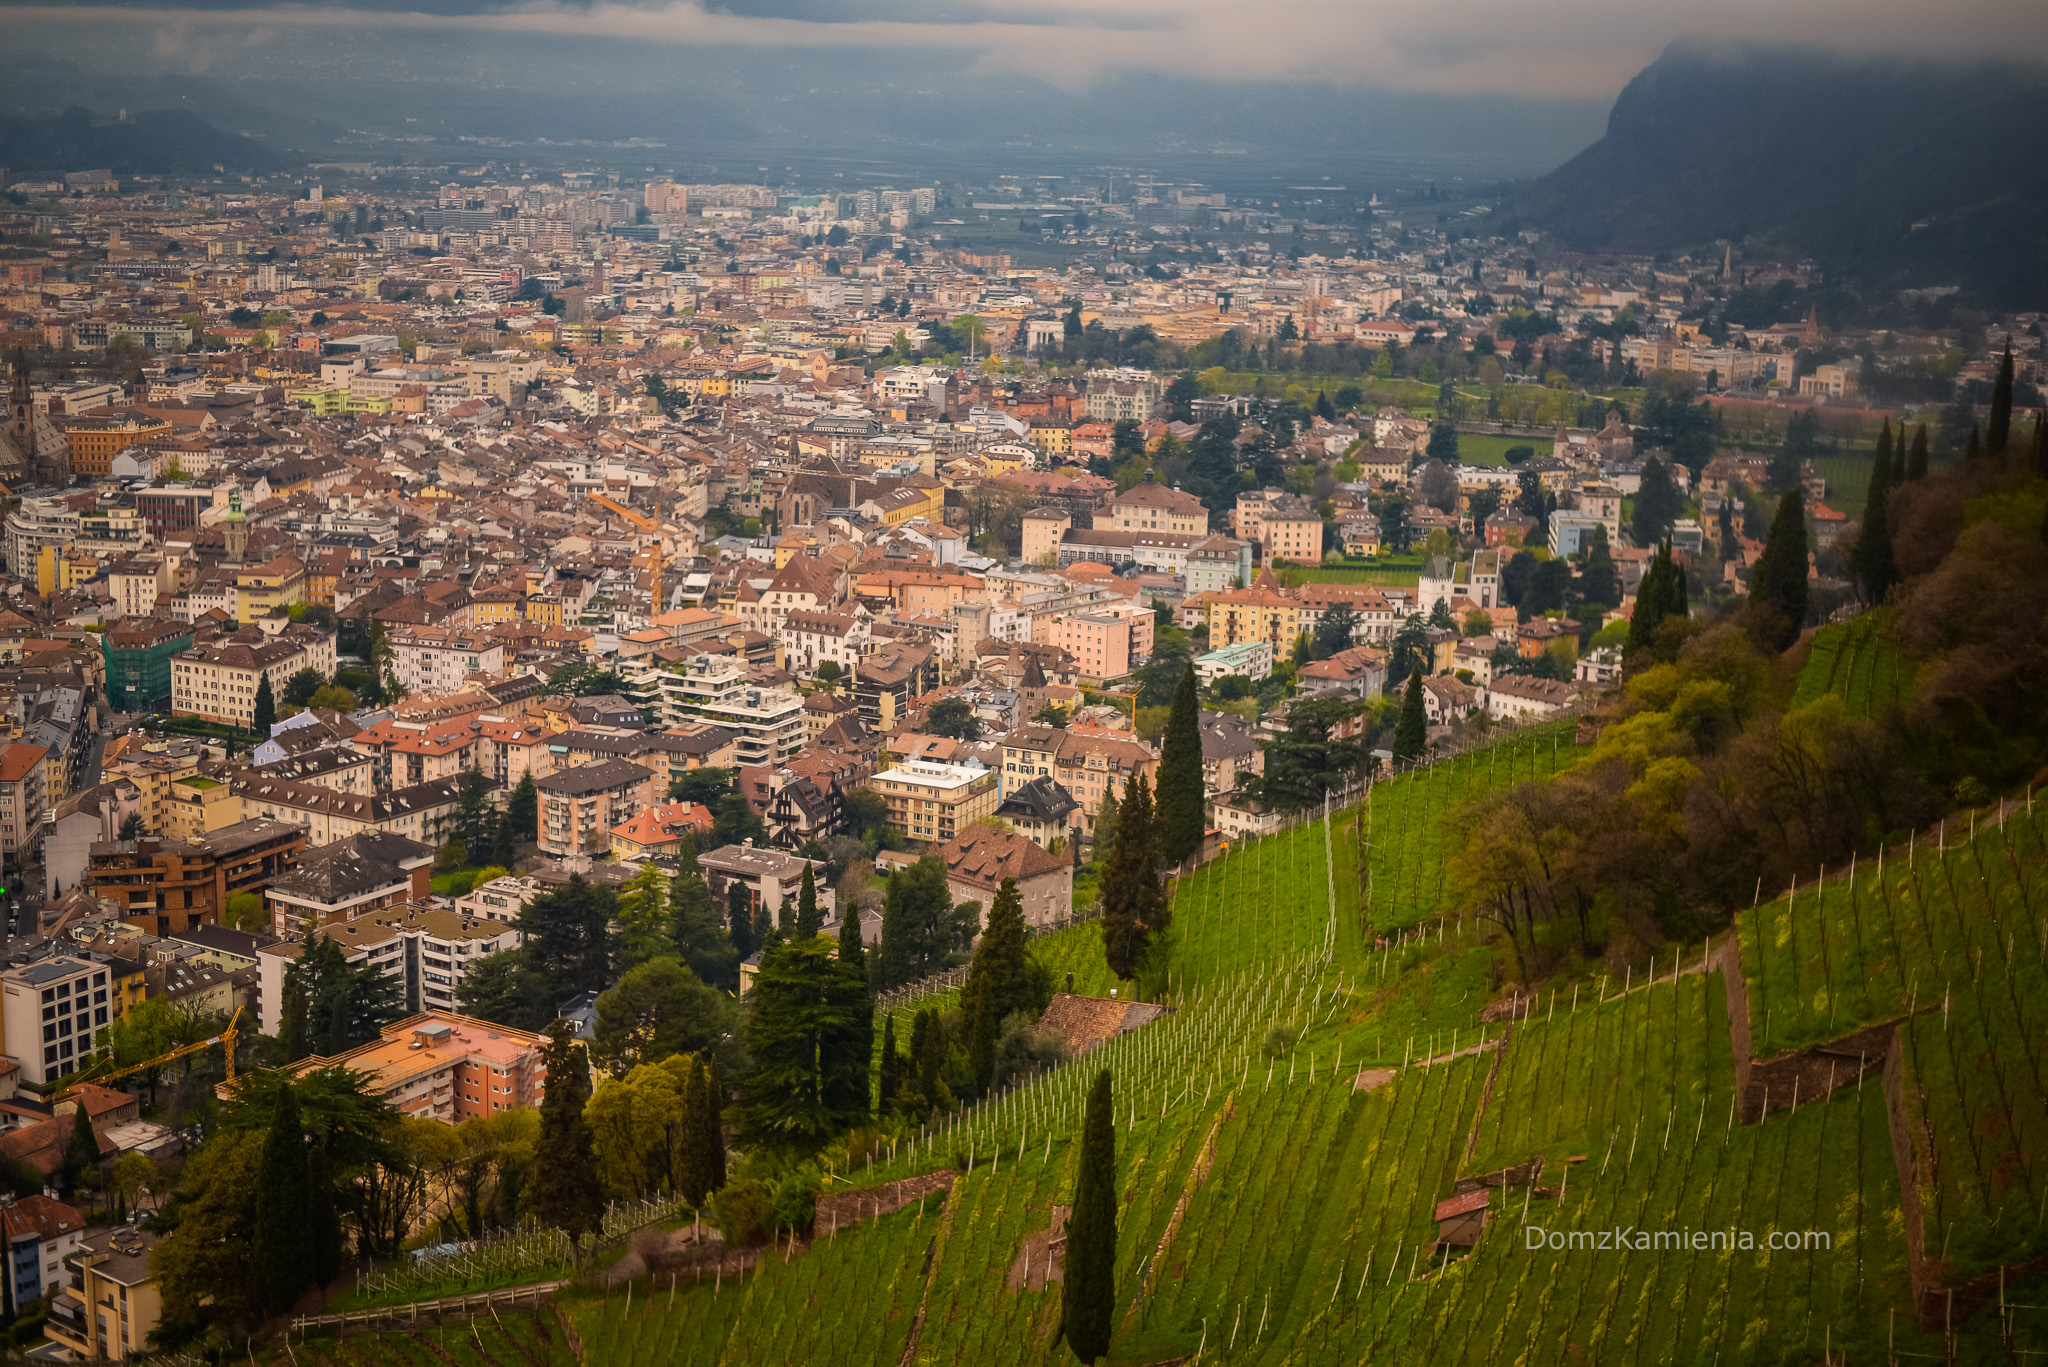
<point x="1411" y="731"/>
<point x="1182" y="803"/>
<point x="998" y="981"/>
<point x="284" y="1225"/>
<point x="1873" y="559"/>
<point x="564" y="1191"/>
<point x="1998" y="432"/>
<point x="1778" y="582"/>
<point x="1133" y="901"/>
<point x="1088" y="1288"/>
<point x="1916" y="463"/>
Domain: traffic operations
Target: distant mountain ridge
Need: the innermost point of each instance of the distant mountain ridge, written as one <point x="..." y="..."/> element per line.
<point x="1892" y="175"/>
<point x="153" y="142"/>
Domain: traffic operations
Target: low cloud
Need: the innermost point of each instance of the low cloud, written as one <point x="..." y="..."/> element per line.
<point x="1556" y="48"/>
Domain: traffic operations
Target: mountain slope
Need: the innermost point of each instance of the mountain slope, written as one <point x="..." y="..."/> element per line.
<point x="1890" y="175"/>
<point x="150" y="143"/>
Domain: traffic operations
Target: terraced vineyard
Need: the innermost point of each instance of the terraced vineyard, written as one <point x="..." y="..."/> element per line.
<point x="1859" y="662"/>
<point x="1286" y="1132"/>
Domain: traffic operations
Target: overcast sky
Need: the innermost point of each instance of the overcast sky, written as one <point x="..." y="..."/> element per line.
<point x="1542" y="48"/>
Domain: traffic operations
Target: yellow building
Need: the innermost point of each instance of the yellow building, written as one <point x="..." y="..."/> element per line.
<point x="325" y="400"/>
<point x="197" y="806"/>
<point x="109" y="1305"/>
<point x="545" y="610"/>
<point x="1052" y="439"/>
<point x="496" y="603"/>
<point x="277" y="583"/>
<point x="1254" y="614"/>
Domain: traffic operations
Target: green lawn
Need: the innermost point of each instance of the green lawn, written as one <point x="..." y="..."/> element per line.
<point x="1492" y="450"/>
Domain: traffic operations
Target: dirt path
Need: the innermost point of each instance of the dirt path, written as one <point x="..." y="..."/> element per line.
<point x="933" y="1256"/>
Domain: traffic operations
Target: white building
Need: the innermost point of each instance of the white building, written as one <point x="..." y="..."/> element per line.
<point x="51" y="1010"/>
<point x="431" y="660"/>
<point x="427" y="951"/>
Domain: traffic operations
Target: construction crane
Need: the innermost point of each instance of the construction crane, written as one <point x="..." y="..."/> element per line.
<point x="226" y="1037"/>
<point x="655" y="554"/>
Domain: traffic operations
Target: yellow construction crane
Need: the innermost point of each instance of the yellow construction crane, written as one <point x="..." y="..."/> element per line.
<point x="655" y="554"/>
<point x="640" y="520"/>
<point x="226" y="1037"/>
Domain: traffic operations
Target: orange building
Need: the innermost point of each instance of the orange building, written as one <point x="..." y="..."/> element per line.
<point x="97" y="439"/>
<point x="441" y="1066"/>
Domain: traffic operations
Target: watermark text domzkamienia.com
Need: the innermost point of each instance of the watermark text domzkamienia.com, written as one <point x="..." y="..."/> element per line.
<point x="1629" y="1239"/>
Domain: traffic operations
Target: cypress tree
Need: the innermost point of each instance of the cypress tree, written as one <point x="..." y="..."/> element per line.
<point x="1650" y="599"/>
<point x="807" y="906"/>
<point x="697" y="1126"/>
<point x="714" y="1121"/>
<point x="284" y="1225"/>
<point x="1873" y="558"/>
<point x="1183" y="801"/>
<point x="1088" y="1290"/>
<point x="2041" y="445"/>
<point x="522" y="810"/>
<point x="700" y="934"/>
<point x="808" y="1032"/>
<point x="1916" y="464"/>
<point x="1881" y="468"/>
<point x="1999" y="432"/>
<point x="890" y="1074"/>
<point x="1778" y="581"/>
<point x="1107" y="818"/>
<point x="1133" y="902"/>
<point x="1411" y="732"/>
<point x="564" y="1191"/>
<point x="1976" y="446"/>
<point x="739" y="910"/>
<point x="998" y="981"/>
<point x="81" y="1149"/>
<point x="324" y="1232"/>
<point x="1599" y="583"/>
<point x="266" y="708"/>
<point x="853" y="966"/>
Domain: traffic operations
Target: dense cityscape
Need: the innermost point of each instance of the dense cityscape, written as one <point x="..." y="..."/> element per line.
<point x="579" y="739"/>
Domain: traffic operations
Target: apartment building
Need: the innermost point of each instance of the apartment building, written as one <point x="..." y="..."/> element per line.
<point x="932" y="803"/>
<point x="166" y="886"/>
<point x="218" y="681"/>
<point x="767" y="723"/>
<point x="261" y="590"/>
<point x="50" y="1011"/>
<point x="367" y="872"/>
<point x="442" y="1066"/>
<point x="39" y="1234"/>
<point x="1152" y="507"/>
<point x="1106" y="642"/>
<point x="109" y="1305"/>
<point x="1254" y="614"/>
<point x="768" y="875"/>
<point x="137" y="653"/>
<point x="426" y="952"/>
<point x="24" y="793"/>
<point x="431" y="660"/>
<point x="579" y="807"/>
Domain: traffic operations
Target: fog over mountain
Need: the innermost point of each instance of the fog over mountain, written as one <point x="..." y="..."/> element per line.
<point x="1471" y="88"/>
